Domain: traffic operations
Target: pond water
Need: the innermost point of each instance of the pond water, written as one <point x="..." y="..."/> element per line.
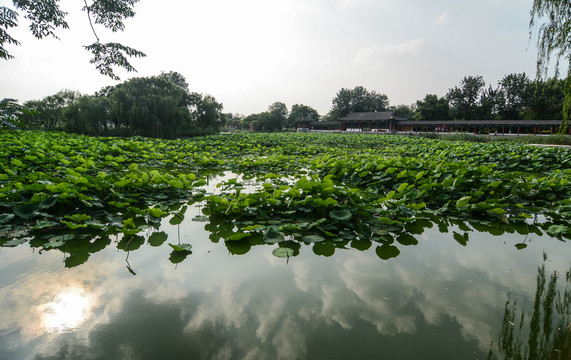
<point x="439" y="299"/>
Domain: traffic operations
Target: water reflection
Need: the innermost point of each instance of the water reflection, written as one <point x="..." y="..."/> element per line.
<point x="441" y="293"/>
<point x="67" y="310"/>
<point x="437" y="300"/>
<point x="545" y="332"/>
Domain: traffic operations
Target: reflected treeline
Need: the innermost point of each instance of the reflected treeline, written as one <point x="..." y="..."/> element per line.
<point x="325" y="235"/>
<point x="545" y="334"/>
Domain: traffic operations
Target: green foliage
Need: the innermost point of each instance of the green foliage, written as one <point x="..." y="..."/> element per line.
<point x="466" y="99"/>
<point x="157" y="106"/>
<point x="46" y="16"/>
<point x="432" y="108"/>
<point x="301" y="114"/>
<point x="358" y="99"/>
<point x="73" y="192"/>
<point x="554" y="39"/>
<point x="107" y="55"/>
<point x="11" y="114"/>
<point x="8" y="19"/>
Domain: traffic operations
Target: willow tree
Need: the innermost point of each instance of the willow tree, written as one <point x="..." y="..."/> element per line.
<point x="554" y="41"/>
<point x="46" y="16"/>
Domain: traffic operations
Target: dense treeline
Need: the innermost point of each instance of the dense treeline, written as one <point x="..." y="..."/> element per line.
<point x="516" y="97"/>
<point x="163" y="106"/>
<point x="157" y="106"/>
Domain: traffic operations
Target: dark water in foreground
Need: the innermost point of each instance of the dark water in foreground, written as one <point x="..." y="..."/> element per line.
<point x="435" y="300"/>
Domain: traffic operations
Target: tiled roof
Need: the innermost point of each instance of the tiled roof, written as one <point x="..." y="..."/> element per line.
<point x="367" y="116"/>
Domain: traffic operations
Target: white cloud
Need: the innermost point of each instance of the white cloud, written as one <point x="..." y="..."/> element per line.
<point x="383" y="52"/>
<point x="443" y="19"/>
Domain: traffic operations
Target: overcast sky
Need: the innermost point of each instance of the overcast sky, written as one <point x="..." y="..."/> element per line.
<point x="249" y="54"/>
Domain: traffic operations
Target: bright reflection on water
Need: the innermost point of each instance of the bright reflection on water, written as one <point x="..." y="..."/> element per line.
<point x="436" y="300"/>
<point x="68" y="310"/>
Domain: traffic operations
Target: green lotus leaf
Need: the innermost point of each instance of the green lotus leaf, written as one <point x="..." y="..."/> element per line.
<point x="176" y="219"/>
<point x="340" y="215"/>
<point x="201" y="218"/>
<point x="326" y="249"/>
<point x="5" y="218"/>
<point x="283" y="252"/>
<point x="463" y="202"/>
<point x="181" y="247"/>
<point x="55" y="242"/>
<point x="157" y="239"/>
<point x="386" y="252"/>
<point x="16" y="242"/>
<point x="312" y="238"/>
<point x="238" y="236"/>
<point x="273" y="236"/>
<point x="557" y="230"/>
<point x="26" y="211"/>
<point x="76" y="259"/>
<point x="158" y="213"/>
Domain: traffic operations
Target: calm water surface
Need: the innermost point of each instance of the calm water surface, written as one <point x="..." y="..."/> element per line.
<point x="435" y="300"/>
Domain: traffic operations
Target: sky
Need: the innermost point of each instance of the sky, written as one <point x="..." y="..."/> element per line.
<point x="249" y="54"/>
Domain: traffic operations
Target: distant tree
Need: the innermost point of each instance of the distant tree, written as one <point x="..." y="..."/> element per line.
<point x="514" y="93"/>
<point x="358" y="99"/>
<point x="88" y="115"/>
<point x="233" y="120"/>
<point x="403" y="111"/>
<point x="208" y="114"/>
<point x="150" y="106"/>
<point x="46" y="16"/>
<point x="546" y="102"/>
<point x="276" y="117"/>
<point x="49" y="110"/>
<point x="252" y="120"/>
<point x="490" y="103"/>
<point x="301" y="112"/>
<point x="554" y="39"/>
<point x="465" y="99"/>
<point x="12" y="113"/>
<point x="432" y="108"/>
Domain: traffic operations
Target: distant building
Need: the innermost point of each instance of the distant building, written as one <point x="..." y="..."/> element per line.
<point x="366" y="121"/>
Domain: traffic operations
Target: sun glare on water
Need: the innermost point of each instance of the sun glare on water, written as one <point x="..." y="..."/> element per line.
<point x="67" y="310"/>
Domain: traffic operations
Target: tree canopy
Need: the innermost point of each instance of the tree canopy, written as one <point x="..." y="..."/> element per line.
<point x="155" y="106"/>
<point x="358" y="99"/>
<point x="46" y="16"/>
<point x="303" y="113"/>
<point x="554" y="40"/>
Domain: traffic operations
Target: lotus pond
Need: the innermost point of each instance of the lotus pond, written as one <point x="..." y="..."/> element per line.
<point x="290" y="246"/>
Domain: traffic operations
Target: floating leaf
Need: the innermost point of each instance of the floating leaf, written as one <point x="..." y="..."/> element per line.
<point x="158" y="213"/>
<point x="42" y="224"/>
<point x="181" y="247"/>
<point x="273" y="236"/>
<point x="407" y="239"/>
<point x="340" y="215"/>
<point x="176" y="219"/>
<point x="283" y="252"/>
<point x="557" y="230"/>
<point x="386" y="252"/>
<point x="461" y="239"/>
<point x="5" y="218"/>
<point x="26" y="211"/>
<point x="463" y="202"/>
<point x="238" y="236"/>
<point x="324" y="249"/>
<point x="201" y="218"/>
<point x="16" y="242"/>
<point x="76" y="259"/>
<point x="157" y="239"/>
<point x="312" y="238"/>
